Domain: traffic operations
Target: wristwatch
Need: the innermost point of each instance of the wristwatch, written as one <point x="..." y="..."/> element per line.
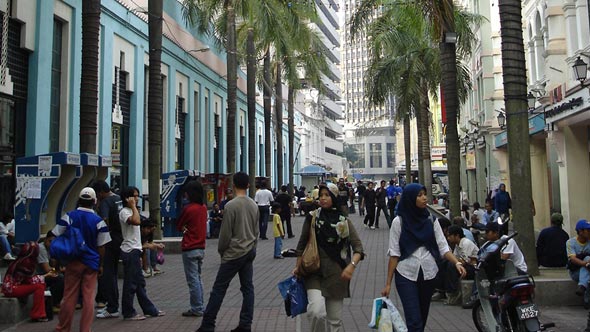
<point x="353" y="263"/>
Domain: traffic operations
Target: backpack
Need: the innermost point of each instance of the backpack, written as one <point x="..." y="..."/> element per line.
<point x="68" y="246"/>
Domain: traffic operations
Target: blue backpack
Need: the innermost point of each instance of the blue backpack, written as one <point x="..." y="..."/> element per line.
<point x="68" y="246"/>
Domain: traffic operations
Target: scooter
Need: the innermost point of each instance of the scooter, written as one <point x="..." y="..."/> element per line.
<point x="505" y="299"/>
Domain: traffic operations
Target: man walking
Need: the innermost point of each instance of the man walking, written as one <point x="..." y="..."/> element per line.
<point x="82" y="273"/>
<point x="369" y="203"/>
<point x="263" y="199"/>
<point x="381" y="204"/>
<point x="109" y="205"/>
<point x="237" y="248"/>
<point x="360" y="190"/>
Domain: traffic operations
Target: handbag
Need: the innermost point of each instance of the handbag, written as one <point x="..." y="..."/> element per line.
<point x="294" y="295"/>
<point x="310" y="259"/>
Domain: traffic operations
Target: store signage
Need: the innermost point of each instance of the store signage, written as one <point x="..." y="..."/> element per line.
<point x="470" y="160"/>
<point x="566" y="106"/>
<point x="438" y="152"/>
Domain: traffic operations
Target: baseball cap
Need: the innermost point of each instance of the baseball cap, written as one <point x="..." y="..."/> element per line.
<point x="582" y="224"/>
<point x="88" y="194"/>
<point x="493" y="227"/>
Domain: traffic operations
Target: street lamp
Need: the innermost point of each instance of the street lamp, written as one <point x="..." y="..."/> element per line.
<point x="531" y="99"/>
<point x="580" y="70"/>
<point x="501" y="119"/>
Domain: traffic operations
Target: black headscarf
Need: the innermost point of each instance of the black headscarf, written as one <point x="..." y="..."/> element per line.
<point x="417" y="228"/>
<point x="327" y="237"/>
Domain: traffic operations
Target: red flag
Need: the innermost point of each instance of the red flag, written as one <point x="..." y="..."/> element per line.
<point x="443" y="110"/>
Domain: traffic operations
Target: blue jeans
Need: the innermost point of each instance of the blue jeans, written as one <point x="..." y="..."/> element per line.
<point x="415" y="297"/>
<point x="582" y="277"/>
<point x="192" y="261"/>
<point x="134" y="284"/>
<point x="227" y="271"/>
<point x="152" y="258"/>
<point x="278" y="246"/>
<point x="263" y="220"/>
<point x="5" y="244"/>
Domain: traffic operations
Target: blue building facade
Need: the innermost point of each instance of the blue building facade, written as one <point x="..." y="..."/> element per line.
<point x="40" y="95"/>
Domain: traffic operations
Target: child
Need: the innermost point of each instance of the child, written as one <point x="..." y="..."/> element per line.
<point x="279" y="234"/>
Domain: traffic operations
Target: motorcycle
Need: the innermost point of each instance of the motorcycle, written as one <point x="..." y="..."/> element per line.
<point x="505" y="299"/>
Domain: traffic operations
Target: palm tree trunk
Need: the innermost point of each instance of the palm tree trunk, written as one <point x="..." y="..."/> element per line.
<point x="232" y="73"/>
<point x="89" y="79"/>
<point x="449" y="89"/>
<point x="408" y="148"/>
<point x="425" y="152"/>
<point x="267" y="93"/>
<point x="251" y="92"/>
<point x="291" y="125"/>
<point x="155" y="105"/>
<point x="515" y="86"/>
<point x="279" y="123"/>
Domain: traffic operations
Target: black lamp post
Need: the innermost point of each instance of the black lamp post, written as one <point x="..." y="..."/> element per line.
<point x="580" y="70"/>
<point x="531" y="99"/>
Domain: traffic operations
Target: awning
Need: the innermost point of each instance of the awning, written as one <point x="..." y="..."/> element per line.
<point x="312" y="170"/>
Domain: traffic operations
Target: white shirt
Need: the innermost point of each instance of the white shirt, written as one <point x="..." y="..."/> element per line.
<point x="421" y="258"/>
<point x="263" y="197"/>
<point x="10" y="226"/>
<point x="479" y="213"/>
<point x="131" y="233"/>
<point x="516" y="255"/>
<point x="465" y="250"/>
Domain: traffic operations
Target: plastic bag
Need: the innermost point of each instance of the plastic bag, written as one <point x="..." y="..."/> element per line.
<point x="385" y="321"/>
<point x="160" y="257"/>
<point x="383" y="306"/>
<point x="295" y="296"/>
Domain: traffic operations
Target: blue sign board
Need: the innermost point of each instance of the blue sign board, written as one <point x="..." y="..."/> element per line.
<point x="536" y="125"/>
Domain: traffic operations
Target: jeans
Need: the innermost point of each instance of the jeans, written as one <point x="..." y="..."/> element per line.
<point x="227" y="271"/>
<point x="582" y="277"/>
<point x="151" y="258"/>
<point x="263" y="220"/>
<point x="415" y="297"/>
<point x="278" y="246"/>
<point x="108" y="286"/>
<point x="134" y="284"/>
<point x="192" y="261"/>
<point x="5" y="244"/>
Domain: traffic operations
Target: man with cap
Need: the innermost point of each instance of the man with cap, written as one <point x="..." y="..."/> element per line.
<point x="578" y="253"/>
<point x="511" y="252"/>
<point x="551" y="244"/>
<point x="82" y="273"/>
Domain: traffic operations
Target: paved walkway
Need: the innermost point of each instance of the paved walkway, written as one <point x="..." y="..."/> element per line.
<point x="170" y="293"/>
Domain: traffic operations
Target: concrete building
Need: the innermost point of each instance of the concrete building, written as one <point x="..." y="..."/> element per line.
<point x="40" y="92"/>
<point x="369" y="131"/>
<point x="320" y="130"/>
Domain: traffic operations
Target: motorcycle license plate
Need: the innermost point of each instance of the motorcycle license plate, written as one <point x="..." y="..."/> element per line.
<point x="527" y="311"/>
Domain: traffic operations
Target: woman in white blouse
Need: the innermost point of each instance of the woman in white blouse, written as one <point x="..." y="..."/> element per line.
<point x="414" y="243"/>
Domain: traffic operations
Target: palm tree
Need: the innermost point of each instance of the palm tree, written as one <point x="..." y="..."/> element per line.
<point x="89" y="81"/>
<point x="251" y="97"/>
<point x="155" y="105"/>
<point x="217" y="18"/>
<point x="515" y="101"/>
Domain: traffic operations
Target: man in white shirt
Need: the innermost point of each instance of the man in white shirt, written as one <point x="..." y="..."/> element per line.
<point x="511" y="251"/>
<point x="264" y="200"/>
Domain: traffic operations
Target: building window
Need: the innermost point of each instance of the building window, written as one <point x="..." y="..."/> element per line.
<point x="390" y="155"/>
<point x="375" y="155"/>
<point x="359" y="156"/>
<point x="56" y="71"/>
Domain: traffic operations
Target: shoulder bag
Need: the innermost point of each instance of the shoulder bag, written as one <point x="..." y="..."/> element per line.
<point x="310" y="260"/>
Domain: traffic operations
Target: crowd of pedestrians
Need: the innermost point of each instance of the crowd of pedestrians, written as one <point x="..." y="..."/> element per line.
<point x="427" y="256"/>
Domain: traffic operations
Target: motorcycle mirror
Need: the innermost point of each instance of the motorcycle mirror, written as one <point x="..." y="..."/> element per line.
<point x="500" y="222"/>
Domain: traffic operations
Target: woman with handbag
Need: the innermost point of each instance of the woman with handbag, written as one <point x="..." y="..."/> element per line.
<point x="415" y="243"/>
<point x="20" y="280"/>
<point x="327" y="238"/>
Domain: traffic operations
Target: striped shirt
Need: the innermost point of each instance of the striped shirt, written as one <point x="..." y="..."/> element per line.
<point x="94" y="230"/>
<point x="421" y="258"/>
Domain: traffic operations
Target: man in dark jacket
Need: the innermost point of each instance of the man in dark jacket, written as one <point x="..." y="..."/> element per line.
<point x="369" y="204"/>
<point x="360" y="190"/>
<point x="551" y="244"/>
<point x="286" y="202"/>
<point x="381" y="204"/>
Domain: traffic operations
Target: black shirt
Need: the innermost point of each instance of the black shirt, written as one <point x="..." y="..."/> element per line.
<point x="381" y="195"/>
<point x="370" y="196"/>
<point x="284" y="199"/>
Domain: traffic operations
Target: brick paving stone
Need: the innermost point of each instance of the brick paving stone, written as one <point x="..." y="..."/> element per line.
<point x="169" y="292"/>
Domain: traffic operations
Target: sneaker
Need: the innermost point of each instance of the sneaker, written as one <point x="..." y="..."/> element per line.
<point x="160" y="313"/>
<point x="372" y="227"/>
<point x="147" y="274"/>
<point x="438" y="296"/>
<point x="190" y="313"/>
<point x="9" y="257"/>
<point x="157" y="271"/>
<point x="137" y="316"/>
<point x="106" y="314"/>
<point x="581" y="290"/>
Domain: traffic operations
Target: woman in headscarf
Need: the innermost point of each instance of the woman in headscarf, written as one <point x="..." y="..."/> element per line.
<point x="502" y="200"/>
<point x="19" y="280"/>
<point x="340" y="251"/>
<point x="415" y="243"/>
